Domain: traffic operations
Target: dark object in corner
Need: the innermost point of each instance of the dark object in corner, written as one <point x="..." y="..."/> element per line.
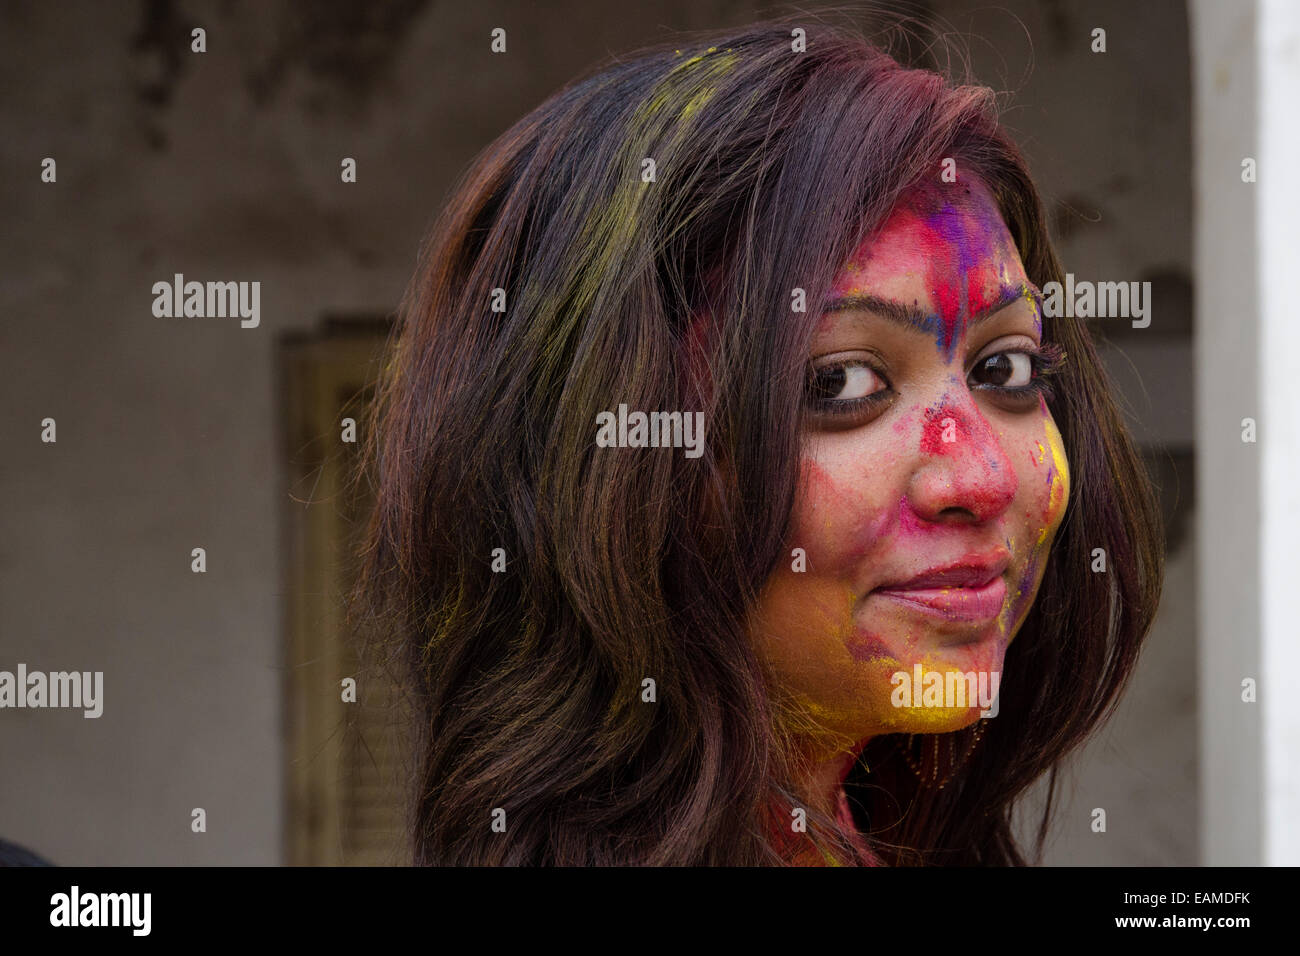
<point x="11" y="854"/>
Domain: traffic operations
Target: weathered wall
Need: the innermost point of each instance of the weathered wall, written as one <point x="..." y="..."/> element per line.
<point x="225" y="166"/>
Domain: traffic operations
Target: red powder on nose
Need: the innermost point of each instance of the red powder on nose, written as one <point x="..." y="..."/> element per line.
<point x="983" y="483"/>
<point x="938" y="421"/>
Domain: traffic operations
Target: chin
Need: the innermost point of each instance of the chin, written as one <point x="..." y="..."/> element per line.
<point x="984" y="653"/>
<point x="934" y="720"/>
<point x="978" y="650"/>
<point x="932" y="683"/>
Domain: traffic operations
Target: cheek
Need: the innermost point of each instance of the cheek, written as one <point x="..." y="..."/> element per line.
<point x="841" y="508"/>
<point x="1060" y="475"/>
<point x="805" y="625"/>
<point x="807" y="603"/>
<point x="1046" y="478"/>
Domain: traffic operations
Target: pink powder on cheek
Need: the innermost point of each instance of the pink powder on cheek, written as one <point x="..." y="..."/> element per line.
<point x="819" y="485"/>
<point x="909" y="522"/>
<point x="822" y="497"/>
<point x="846" y="524"/>
<point x="840" y="532"/>
<point x="868" y="646"/>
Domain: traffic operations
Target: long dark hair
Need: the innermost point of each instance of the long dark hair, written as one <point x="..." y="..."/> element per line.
<point x="770" y="166"/>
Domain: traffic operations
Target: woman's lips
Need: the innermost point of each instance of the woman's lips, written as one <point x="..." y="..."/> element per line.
<point x="971" y="604"/>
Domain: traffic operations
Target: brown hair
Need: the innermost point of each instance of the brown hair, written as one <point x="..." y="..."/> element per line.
<point x="770" y="167"/>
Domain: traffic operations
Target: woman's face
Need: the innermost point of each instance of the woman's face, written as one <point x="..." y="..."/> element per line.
<point x="932" y="479"/>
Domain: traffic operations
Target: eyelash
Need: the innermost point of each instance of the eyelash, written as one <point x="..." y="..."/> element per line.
<point x="1047" y="360"/>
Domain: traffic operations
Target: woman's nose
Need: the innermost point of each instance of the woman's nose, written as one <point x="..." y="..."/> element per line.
<point x="962" y="472"/>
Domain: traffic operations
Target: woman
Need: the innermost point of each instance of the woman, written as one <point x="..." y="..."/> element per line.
<point x="692" y="637"/>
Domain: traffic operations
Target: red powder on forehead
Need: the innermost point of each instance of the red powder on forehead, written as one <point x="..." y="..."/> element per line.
<point x="984" y="286"/>
<point x="960" y="247"/>
<point x="957" y="244"/>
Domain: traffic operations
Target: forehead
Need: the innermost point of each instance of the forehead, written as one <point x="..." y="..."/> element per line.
<point x="938" y="235"/>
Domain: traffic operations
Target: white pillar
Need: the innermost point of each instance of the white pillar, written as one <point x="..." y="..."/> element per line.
<point x="1246" y="73"/>
<point x="1278" y="31"/>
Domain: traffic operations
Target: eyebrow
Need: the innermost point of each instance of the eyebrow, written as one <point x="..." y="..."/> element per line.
<point x="914" y="317"/>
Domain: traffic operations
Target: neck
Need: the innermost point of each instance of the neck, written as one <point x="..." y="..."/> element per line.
<point x="822" y="777"/>
<point x="825" y="780"/>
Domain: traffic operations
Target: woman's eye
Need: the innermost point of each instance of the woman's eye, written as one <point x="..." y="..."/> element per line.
<point x="1004" y="370"/>
<point x="844" y="382"/>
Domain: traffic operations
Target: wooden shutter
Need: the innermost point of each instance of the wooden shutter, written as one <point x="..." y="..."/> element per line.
<point x="344" y="762"/>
